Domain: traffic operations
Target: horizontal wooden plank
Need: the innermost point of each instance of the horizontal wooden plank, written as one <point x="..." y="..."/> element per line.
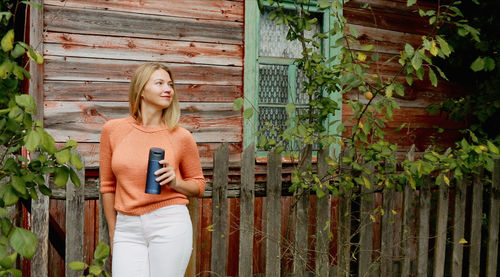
<point x="393" y="6"/>
<point x="90" y="153"/>
<point x="118" y="91"/>
<point x="383" y="19"/>
<point x="108" y="47"/>
<point x="113" y="23"/>
<point x="82" y="121"/>
<point x="413" y="117"/>
<point x="421" y="137"/>
<point x="205" y="9"/>
<point x="384" y="41"/>
<point x="419" y="95"/>
<point x="84" y="69"/>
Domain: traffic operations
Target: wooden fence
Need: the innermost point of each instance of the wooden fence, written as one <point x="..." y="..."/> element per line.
<point x="435" y="231"/>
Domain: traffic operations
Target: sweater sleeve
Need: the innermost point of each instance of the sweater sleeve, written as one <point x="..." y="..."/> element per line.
<point x="107" y="177"/>
<point x="190" y="165"/>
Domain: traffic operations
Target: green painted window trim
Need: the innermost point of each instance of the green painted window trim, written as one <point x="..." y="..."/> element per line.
<point x="252" y="61"/>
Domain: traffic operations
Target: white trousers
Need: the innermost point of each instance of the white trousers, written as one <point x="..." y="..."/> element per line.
<point x="155" y="244"/>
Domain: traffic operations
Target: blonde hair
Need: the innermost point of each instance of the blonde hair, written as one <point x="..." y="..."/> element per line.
<point x="170" y="115"/>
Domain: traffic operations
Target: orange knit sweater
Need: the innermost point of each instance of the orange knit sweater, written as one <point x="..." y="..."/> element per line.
<point x="123" y="159"/>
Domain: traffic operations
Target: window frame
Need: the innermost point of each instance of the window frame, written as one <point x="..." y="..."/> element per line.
<point x="251" y="70"/>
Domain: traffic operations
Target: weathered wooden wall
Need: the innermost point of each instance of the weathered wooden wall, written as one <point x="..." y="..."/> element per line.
<point x="91" y="48"/>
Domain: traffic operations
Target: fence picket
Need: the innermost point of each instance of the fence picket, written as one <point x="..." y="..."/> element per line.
<point x="218" y="257"/>
<point x="193" y="214"/>
<point x="423" y="228"/>
<point x="40" y="227"/>
<point x="366" y="232"/>
<point x="301" y="221"/>
<point x="103" y="231"/>
<point x="247" y="198"/>
<point x="273" y="214"/>
<point x="344" y="234"/>
<point x="475" y="233"/>
<point x="458" y="228"/>
<point x="494" y="217"/>
<point x="75" y="204"/>
<point x="442" y="220"/>
<point x="387" y="233"/>
<point x="406" y="224"/>
<point x="322" y="219"/>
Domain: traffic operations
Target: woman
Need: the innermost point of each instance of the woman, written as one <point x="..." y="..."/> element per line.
<point x="151" y="235"/>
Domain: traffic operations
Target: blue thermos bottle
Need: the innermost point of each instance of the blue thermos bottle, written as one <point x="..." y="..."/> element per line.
<point x="155" y="155"/>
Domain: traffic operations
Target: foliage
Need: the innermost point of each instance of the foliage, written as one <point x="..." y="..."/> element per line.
<point x="101" y="253"/>
<point x="23" y="177"/>
<point x="367" y="159"/>
<point x="474" y="65"/>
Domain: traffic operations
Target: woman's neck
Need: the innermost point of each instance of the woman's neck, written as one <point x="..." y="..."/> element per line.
<point x="151" y="118"/>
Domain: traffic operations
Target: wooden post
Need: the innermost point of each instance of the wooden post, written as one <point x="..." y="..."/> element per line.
<point x="405" y="229"/>
<point x="40" y="227"/>
<point x="247" y="198"/>
<point x="301" y="220"/>
<point x="423" y="228"/>
<point x="458" y="228"/>
<point x="442" y="222"/>
<point x="75" y="204"/>
<point x="273" y="215"/>
<point x="475" y="232"/>
<point x="492" y="255"/>
<point x="366" y="231"/>
<point x="103" y="232"/>
<point x="218" y="259"/>
<point x="323" y="215"/>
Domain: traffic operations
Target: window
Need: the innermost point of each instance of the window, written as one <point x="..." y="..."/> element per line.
<point x="272" y="80"/>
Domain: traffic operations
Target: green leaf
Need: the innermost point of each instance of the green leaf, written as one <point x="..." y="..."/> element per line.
<point x="477" y="65"/>
<point x="95" y="270"/>
<point x="410" y="3"/>
<point x="62" y="156"/>
<point x="18" y="51"/>
<point x="433" y="77"/>
<point x="24" y="242"/>
<point x="74" y="178"/>
<point x="400" y="127"/>
<point x="416" y="61"/>
<point x="492" y="147"/>
<point x="77" y="266"/>
<point x="8" y="261"/>
<point x="102" y="251"/>
<point x="248" y="113"/>
<point x="61" y="175"/>
<point x="16" y="114"/>
<point x="32" y="140"/>
<point x="238" y="103"/>
<point x="45" y="190"/>
<point x="32" y="54"/>
<point x="7" y="42"/>
<point x="445" y="48"/>
<point x="353" y="31"/>
<point x="409" y="50"/>
<point x="368" y="47"/>
<point x="15" y="272"/>
<point x="18" y="184"/>
<point x="75" y="160"/>
<point x="26" y="101"/>
<point x="3" y="212"/>
<point x="48" y="143"/>
<point x="10" y="197"/>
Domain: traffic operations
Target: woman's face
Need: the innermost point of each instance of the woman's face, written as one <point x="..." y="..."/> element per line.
<point x="158" y="92"/>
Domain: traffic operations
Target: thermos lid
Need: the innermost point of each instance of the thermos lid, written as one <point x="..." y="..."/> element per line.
<point x="156" y="153"/>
